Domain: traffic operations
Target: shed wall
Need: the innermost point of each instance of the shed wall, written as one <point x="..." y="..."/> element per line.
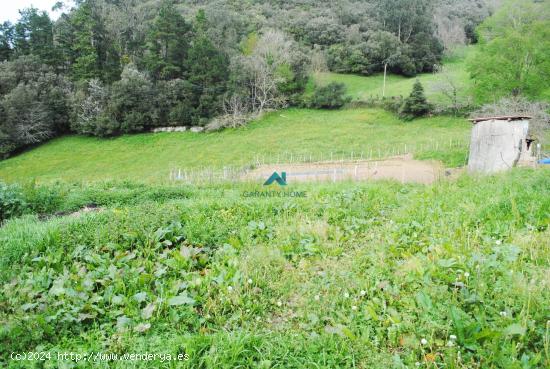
<point x="496" y="145"/>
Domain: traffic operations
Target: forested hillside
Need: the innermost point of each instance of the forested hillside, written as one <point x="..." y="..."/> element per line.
<point x="110" y="67"/>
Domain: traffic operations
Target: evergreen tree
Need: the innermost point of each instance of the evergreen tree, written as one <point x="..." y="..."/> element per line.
<point x="33" y="34"/>
<point x="207" y="70"/>
<point x="416" y="105"/>
<point x="93" y="52"/>
<point x="167" y="44"/>
<point x="6" y="40"/>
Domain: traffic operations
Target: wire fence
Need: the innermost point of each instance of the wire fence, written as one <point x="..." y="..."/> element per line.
<point x="239" y="171"/>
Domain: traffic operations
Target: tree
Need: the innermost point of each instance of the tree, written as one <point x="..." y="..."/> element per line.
<point x="539" y="124"/>
<point x="453" y="89"/>
<point x="416" y="105"/>
<point x="207" y="71"/>
<point x="174" y="102"/>
<point x="348" y="58"/>
<point x="33" y="103"/>
<point x="6" y="41"/>
<point x="514" y="55"/>
<point x="272" y="74"/>
<point x="167" y="44"/>
<point x="131" y="103"/>
<point x="89" y="108"/>
<point x="33" y="34"/>
<point x="85" y="48"/>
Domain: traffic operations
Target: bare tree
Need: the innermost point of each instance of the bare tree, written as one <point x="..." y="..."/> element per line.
<point x="318" y="61"/>
<point x="518" y="105"/>
<point x="452" y="88"/>
<point x="237" y="109"/>
<point x="33" y="127"/>
<point x="261" y="71"/>
<point x="450" y="30"/>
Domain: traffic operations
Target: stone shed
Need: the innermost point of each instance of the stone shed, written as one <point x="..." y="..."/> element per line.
<point x="500" y="143"/>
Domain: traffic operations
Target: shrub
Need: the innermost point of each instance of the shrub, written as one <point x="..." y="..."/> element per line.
<point x="348" y="58"/>
<point x="331" y="96"/>
<point x="416" y="105"/>
<point x="229" y="121"/>
<point x="12" y="202"/>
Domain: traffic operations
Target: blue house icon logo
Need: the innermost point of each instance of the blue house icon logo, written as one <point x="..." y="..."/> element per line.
<point x="275" y="177"/>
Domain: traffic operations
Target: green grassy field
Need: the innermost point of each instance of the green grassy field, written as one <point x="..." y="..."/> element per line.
<point x="149" y="157"/>
<point x="365" y="87"/>
<point x="370" y="275"/>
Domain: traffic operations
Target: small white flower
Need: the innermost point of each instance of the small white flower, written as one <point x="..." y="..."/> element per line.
<point x="502" y="313"/>
<point x="452" y="337"/>
<point x="498" y="242"/>
<point x="424" y="341"/>
<point x="346" y="295"/>
<point x="279" y="303"/>
<point x="363" y="292"/>
<point x="316" y="297"/>
<point x="450" y="343"/>
<point x="249" y="281"/>
<point x="230" y="289"/>
<point x="417" y="363"/>
<point x="466" y="274"/>
<point x="354" y="308"/>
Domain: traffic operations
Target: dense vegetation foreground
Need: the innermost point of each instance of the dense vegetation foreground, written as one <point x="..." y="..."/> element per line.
<point x="372" y="275"/>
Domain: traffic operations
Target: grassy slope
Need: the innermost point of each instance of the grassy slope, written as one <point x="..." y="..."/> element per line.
<point x="361" y="87"/>
<point x="277" y="282"/>
<point x="150" y="157"/>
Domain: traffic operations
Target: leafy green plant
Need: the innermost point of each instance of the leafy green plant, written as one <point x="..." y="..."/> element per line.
<point x="12" y="202"/>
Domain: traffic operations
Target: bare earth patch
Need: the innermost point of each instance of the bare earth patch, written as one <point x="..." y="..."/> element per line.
<point x="401" y="168"/>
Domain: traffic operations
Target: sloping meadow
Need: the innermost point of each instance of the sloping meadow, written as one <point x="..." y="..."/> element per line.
<point x="372" y="275"/>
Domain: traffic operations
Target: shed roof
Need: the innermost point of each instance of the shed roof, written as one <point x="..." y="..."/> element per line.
<point x="507" y="118"/>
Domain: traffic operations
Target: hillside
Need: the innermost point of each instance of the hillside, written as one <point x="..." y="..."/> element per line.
<point x="150" y="157"/>
<point x="365" y="87"/>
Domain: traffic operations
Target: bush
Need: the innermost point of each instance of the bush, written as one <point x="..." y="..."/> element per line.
<point x="331" y="96"/>
<point x="416" y="105"/>
<point x="12" y="202"/>
<point x="348" y="58"/>
<point x="229" y="121"/>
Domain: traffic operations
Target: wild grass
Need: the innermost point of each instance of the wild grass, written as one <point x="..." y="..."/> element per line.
<point x="150" y="157"/>
<point x="369" y="275"/>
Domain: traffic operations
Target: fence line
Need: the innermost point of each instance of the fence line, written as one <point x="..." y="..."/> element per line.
<point x="230" y="173"/>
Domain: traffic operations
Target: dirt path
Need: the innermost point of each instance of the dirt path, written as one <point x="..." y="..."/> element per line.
<point x="401" y="168"/>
